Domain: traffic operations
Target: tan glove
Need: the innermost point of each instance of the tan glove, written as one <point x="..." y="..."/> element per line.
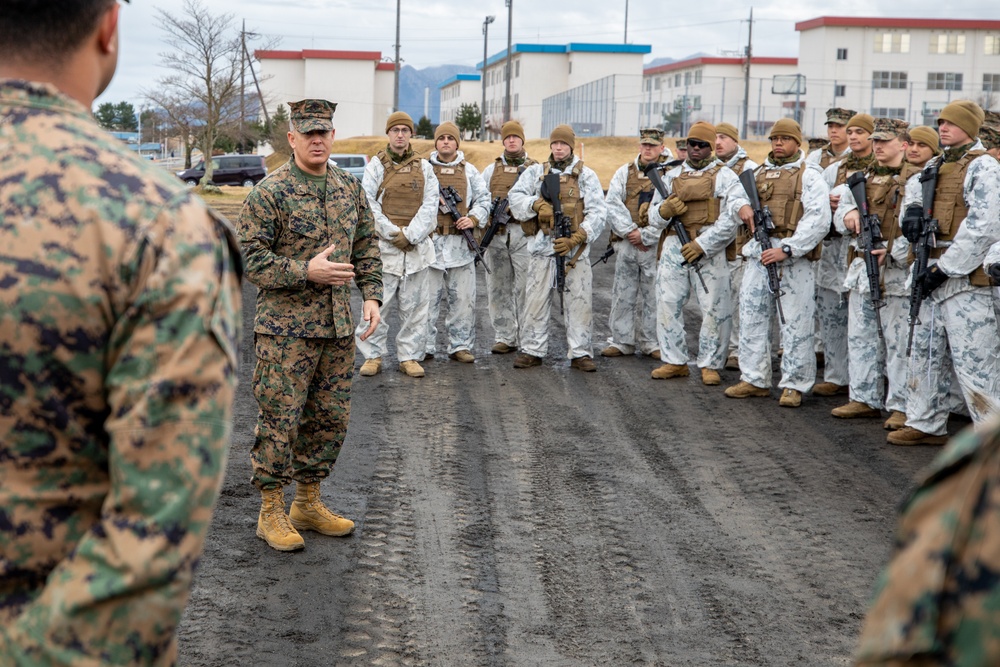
<point x="544" y="211"/>
<point x="671" y="207"/>
<point x="643" y="214"/>
<point x="691" y="252"/>
<point x="564" y="246"/>
<point x="399" y="240"/>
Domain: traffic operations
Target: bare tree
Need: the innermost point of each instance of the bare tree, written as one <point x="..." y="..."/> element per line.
<point x="181" y="117"/>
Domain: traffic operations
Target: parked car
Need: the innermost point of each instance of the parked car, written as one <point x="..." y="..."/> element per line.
<point x="245" y="170"/>
<point x="353" y="163"/>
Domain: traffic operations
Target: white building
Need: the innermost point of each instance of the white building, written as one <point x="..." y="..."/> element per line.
<point x="458" y="90"/>
<point x="360" y="84"/>
<point x="712" y="89"/>
<point x="899" y="67"/>
<point x="540" y="71"/>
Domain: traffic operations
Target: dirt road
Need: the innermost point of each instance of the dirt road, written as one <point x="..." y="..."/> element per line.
<point x="551" y="517"/>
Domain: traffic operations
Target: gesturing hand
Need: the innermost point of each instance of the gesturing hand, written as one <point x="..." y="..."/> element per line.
<point x="321" y="270"/>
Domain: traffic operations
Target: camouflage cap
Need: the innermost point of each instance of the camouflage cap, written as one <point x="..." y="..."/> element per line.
<point x="838" y="116"/>
<point x="889" y="128"/>
<point x="992" y="120"/>
<point x="309" y="115"/>
<point x="651" y="135"/>
<point x="682" y="144"/>
<point x="817" y="142"/>
<point x="989" y="133"/>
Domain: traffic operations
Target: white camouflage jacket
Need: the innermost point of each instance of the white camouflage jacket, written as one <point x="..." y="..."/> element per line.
<point x="740" y="153"/>
<point x="452" y="250"/>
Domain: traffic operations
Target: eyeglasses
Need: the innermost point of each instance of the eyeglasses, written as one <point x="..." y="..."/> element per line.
<point x="399" y="130"/>
<point x="694" y="143"/>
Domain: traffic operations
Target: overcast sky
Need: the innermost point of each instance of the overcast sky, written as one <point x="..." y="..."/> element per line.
<point x="437" y="32"/>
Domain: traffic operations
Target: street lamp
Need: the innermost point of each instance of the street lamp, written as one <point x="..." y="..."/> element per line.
<point x="510" y="22"/>
<point x="482" y="109"/>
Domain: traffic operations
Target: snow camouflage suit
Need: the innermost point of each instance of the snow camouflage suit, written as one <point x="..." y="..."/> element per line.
<point x="404" y="274"/>
<point x="303" y="330"/>
<point x="579" y="295"/>
<point x="958" y="316"/>
<point x="937" y="601"/>
<point x="120" y="302"/>
<point x="739" y="163"/>
<point x="632" y="319"/>
<point x="676" y="281"/>
<point x="454" y="271"/>
<point x="507" y="258"/>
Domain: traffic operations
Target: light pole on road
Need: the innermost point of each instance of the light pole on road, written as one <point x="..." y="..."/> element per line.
<point x="482" y="109"/>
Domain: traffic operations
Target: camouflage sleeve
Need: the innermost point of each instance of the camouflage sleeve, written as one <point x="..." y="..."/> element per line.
<point x="595" y="211"/>
<point x="619" y="218"/>
<point x="981" y="227"/>
<point x="170" y="377"/>
<point x="365" y="253"/>
<point x="259" y="225"/>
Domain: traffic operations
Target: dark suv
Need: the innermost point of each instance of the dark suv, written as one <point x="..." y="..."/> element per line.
<point x="245" y="170"/>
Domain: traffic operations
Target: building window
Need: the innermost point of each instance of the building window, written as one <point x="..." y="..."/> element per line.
<point x="889" y="112"/>
<point x="991" y="83"/>
<point x="892" y="42"/>
<point x="696" y="102"/>
<point x="656" y="107"/>
<point x="839" y="90"/>
<point x="687" y="78"/>
<point x="841" y="54"/>
<point x="991" y="45"/>
<point x="516" y="97"/>
<point x="893" y="80"/>
<point x="697" y="76"/>
<point x="677" y="80"/>
<point x="944" y="81"/>
<point x="947" y="44"/>
<point x="656" y="84"/>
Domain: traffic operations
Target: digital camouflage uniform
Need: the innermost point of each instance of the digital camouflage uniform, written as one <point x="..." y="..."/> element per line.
<point x="507" y="257"/>
<point x="957" y="319"/>
<point x="938" y="602"/>
<point x="119" y="320"/>
<point x="454" y="271"/>
<point x="632" y="319"/>
<point x="579" y="312"/>
<point x="404" y="273"/>
<point x="738" y="163"/>
<point x="757" y="307"/>
<point x="676" y="281"/>
<point x="303" y="329"/>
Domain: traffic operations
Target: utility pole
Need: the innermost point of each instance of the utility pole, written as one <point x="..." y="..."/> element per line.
<point x="395" y="83"/>
<point x="626" y="23"/>
<point x="243" y="113"/>
<point x="746" y="78"/>
<point x="482" y="109"/>
<point x="510" y="24"/>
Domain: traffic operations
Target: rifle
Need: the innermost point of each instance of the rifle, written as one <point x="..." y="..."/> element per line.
<point x="610" y="250"/>
<point x="869" y="238"/>
<point x="922" y="249"/>
<point x="499" y="215"/>
<point x="449" y="204"/>
<point x="561" y="228"/>
<point x="762" y="224"/>
<point x="653" y="173"/>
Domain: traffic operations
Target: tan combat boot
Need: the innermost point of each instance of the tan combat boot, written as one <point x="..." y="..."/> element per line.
<point x="830" y="389"/>
<point x="502" y="348"/>
<point x="733" y="363"/>
<point x="910" y="436"/>
<point x="612" y="351"/>
<point x="585" y="364"/>
<point x="655" y="354"/>
<point x="744" y="389"/>
<point x="272" y="524"/>
<point x="309" y="513"/>
<point x="371" y="366"/>
<point x="790" y="398"/>
<point x="896" y="421"/>
<point x="856" y="410"/>
<point x="667" y="371"/>
<point x="463" y="356"/>
<point x="411" y="368"/>
<point x="710" y="377"/>
<point x="527" y="361"/>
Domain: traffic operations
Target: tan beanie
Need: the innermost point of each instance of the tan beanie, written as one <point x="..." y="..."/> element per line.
<point x="563" y="133"/>
<point x="728" y="130"/>
<point x="927" y="136"/>
<point x="448" y="127"/>
<point x="702" y="131"/>
<point x="399" y="118"/>
<point x="862" y="120"/>
<point x="786" y="127"/>
<point x="511" y="128"/>
<point x="966" y="114"/>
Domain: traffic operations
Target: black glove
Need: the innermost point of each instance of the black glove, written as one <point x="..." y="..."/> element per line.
<point x="931" y="279"/>
<point x="913" y="222"/>
<point x="993" y="270"/>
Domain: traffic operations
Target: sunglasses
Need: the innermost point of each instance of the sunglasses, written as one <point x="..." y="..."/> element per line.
<point x="694" y="143"/>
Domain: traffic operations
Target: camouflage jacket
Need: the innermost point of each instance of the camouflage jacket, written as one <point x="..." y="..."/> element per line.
<point x="119" y="323"/>
<point x="285" y="222"/>
<point x="938" y="600"/>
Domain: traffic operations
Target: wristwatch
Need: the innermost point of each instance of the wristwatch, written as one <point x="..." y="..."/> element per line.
<point x="785" y="249"/>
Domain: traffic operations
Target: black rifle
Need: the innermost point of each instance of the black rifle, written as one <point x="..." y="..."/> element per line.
<point x="610" y="250"/>
<point x="449" y="204"/>
<point x="922" y="248"/>
<point x="869" y="238"/>
<point x="653" y="173"/>
<point x="762" y="225"/>
<point x="499" y="215"/>
<point x="562" y="227"/>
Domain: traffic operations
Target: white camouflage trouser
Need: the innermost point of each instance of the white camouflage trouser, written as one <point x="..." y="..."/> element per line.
<point x="460" y="323"/>
<point x="411" y="293"/>
<point x="674" y="284"/>
<point x="866" y="359"/>
<point x="895" y="325"/>
<point x="507" y="256"/>
<point x="736" y="282"/>
<point x="831" y="310"/>
<point x="757" y="312"/>
<point x="579" y="315"/>
<point x="966" y="323"/>
<point x="633" y="300"/>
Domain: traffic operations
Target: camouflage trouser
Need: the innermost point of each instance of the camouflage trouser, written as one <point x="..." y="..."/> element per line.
<point x="896" y="362"/>
<point x="412" y="294"/>
<point x="674" y="284"/>
<point x="303" y="392"/>
<point x="579" y="316"/>
<point x="460" y="323"/>
<point x="508" y="257"/>
<point x="757" y="312"/>
<point x="831" y="309"/>
<point x="633" y="300"/>
<point x="866" y="359"/>
<point x="965" y="323"/>
<point x="736" y="282"/>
